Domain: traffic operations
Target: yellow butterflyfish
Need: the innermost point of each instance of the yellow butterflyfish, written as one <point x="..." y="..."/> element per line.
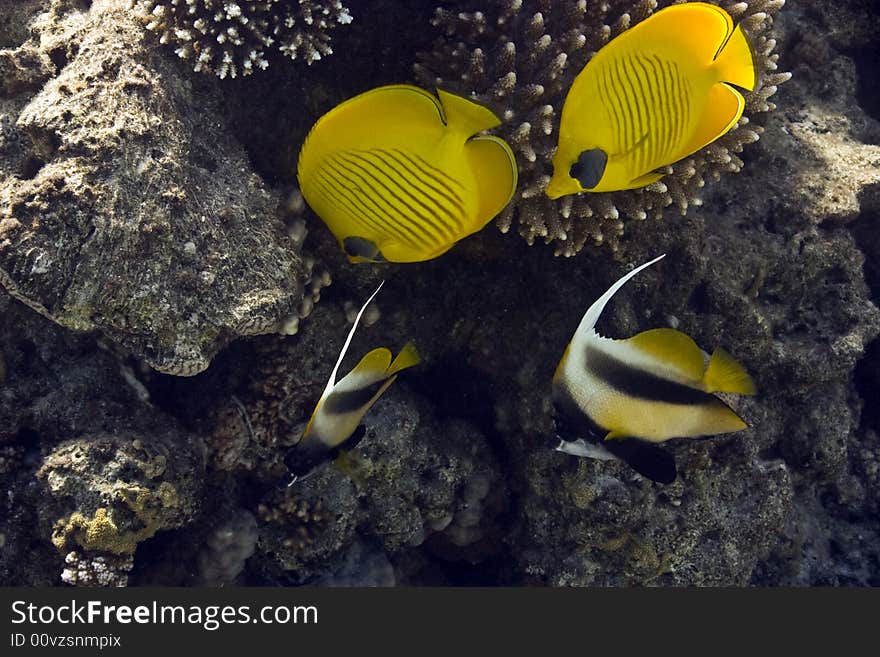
<point x="400" y="175"/>
<point x="633" y="394"/>
<point x="657" y="93"/>
<point x="335" y="423"/>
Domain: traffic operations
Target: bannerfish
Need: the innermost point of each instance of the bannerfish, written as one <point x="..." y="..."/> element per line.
<point x="663" y="89"/>
<point x="399" y="175"/>
<point x="631" y="395"/>
<point x="335" y="424"/>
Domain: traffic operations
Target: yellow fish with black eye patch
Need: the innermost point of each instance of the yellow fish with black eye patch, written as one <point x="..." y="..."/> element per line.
<point x="646" y="389"/>
<point x="657" y="93"/>
<point x="399" y="175"/>
<point x="335" y="422"/>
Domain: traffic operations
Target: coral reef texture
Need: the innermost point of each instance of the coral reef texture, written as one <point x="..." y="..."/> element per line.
<point x="149" y="229"/>
<point x="231" y="38"/>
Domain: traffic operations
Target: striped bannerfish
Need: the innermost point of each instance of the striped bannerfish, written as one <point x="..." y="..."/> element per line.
<point x="401" y="176"/>
<point x="335" y="422"/>
<point x="641" y="391"/>
<point x="652" y="96"/>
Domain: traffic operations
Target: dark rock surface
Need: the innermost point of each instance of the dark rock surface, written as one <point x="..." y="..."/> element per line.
<point x="454" y="482"/>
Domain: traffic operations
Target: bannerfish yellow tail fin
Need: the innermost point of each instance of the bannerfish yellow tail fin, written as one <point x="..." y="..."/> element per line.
<point x="588" y="322"/>
<point x="494" y="164"/>
<point x="724" y="108"/>
<point x="465" y="116"/>
<point x="407" y="357"/>
<point x="674" y="349"/>
<point x="724" y="374"/>
<point x="736" y="61"/>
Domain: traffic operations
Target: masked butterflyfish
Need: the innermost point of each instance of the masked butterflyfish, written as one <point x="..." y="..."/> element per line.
<point x="400" y="175"/>
<point x="335" y="424"/>
<point x="663" y="89"/>
<point x="630" y="395"/>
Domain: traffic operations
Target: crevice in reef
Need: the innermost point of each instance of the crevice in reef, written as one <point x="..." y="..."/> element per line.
<point x="867" y="62"/>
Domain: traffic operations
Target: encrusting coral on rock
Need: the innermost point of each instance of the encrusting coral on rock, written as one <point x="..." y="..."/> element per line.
<point x="231" y="38"/>
<point x="519" y="58"/>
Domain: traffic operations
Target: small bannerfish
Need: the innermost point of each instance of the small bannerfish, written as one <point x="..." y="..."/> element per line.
<point x="399" y="175"/>
<point x="335" y="422"/>
<point x="633" y="394"/>
<point x="660" y="91"/>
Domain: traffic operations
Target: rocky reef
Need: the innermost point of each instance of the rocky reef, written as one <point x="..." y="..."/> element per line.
<point x="149" y="227"/>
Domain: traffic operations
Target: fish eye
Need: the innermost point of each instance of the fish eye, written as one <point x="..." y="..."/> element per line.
<point x="589" y="167"/>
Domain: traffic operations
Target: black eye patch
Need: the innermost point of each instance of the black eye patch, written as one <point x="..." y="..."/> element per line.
<point x="589" y="168"/>
<point x="360" y="247"/>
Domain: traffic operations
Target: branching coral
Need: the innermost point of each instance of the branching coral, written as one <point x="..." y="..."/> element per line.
<point x="229" y="38"/>
<point x="520" y="59"/>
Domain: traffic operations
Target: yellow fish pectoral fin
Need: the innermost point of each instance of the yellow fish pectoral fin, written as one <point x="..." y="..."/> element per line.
<point x="408" y="357"/>
<point x="494" y="166"/>
<point x="720" y="418"/>
<point x="724" y="108"/>
<point x="615" y="435"/>
<point x="674" y="349"/>
<point x="466" y="116"/>
<point x="724" y="374"/>
<point x="645" y="180"/>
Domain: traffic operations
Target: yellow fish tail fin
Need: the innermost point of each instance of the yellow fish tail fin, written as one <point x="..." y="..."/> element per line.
<point x="465" y="116"/>
<point x="724" y="374"/>
<point x="736" y="61"/>
<point x="408" y="357"/>
<point x="724" y="108"/>
<point x="494" y="164"/>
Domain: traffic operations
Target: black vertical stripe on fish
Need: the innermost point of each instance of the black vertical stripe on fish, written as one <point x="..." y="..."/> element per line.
<point x="358" y="212"/>
<point x="366" y="168"/>
<point x="638" y="97"/>
<point x="651" y="154"/>
<point x="610" y="95"/>
<point x="389" y="210"/>
<point x="369" y="170"/>
<point x="645" y="112"/>
<point x="404" y="185"/>
<point x="388" y="225"/>
<point x="361" y="199"/>
<point x="663" y="86"/>
<point x="440" y="187"/>
<point x="439" y="175"/>
<point x="675" y="96"/>
<point x="348" y="401"/>
<point x="629" y="117"/>
<point x="640" y="384"/>
<point x="427" y="193"/>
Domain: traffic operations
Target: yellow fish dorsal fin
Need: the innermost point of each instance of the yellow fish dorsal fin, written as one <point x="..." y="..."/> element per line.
<point x="706" y="31"/>
<point x="724" y="374"/>
<point x="674" y="349"/>
<point x="465" y="116"/>
<point x="494" y="165"/>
